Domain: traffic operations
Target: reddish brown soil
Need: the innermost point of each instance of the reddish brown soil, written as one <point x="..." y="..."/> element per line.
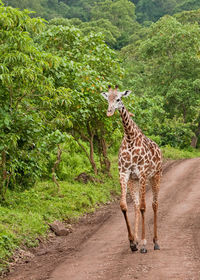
<point x="98" y="247"/>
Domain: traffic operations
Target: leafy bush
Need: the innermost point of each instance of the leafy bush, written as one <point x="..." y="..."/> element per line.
<point x="175" y="153"/>
<point x="44" y="94"/>
<point x="24" y="217"/>
<point x="175" y="133"/>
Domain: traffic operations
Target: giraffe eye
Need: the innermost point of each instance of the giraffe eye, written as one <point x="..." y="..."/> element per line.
<point x="118" y="100"/>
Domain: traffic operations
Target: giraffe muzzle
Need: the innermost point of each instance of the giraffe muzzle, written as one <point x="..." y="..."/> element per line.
<point x="110" y="113"/>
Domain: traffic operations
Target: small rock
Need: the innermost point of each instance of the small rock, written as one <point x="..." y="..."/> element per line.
<point x="59" y="229"/>
<point x="43" y="252"/>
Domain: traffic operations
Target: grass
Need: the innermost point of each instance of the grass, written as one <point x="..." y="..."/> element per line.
<point x="26" y="215"/>
<point x="175" y="153"/>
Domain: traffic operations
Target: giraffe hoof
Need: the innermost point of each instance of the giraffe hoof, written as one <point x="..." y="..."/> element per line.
<point x="156" y="246"/>
<point x="143" y="250"/>
<point x="133" y="247"/>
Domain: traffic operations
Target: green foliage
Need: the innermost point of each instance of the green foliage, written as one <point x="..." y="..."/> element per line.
<point x="22" y="86"/>
<point x="51" y="76"/>
<point x="88" y="65"/>
<point x="47" y="9"/>
<point x="45" y="73"/>
<point x="175" y="133"/>
<point x="18" y="229"/>
<point x="175" y="153"/>
<point x="172" y="50"/>
<point x="115" y="20"/>
<point x="120" y="13"/>
<point x="150" y="10"/>
<point x="73" y="162"/>
<point x="111" y="32"/>
<point x="188" y="17"/>
<point x="186" y="5"/>
<point x="166" y="68"/>
<point x="146" y="109"/>
<point x="80" y="8"/>
<point x="65" y="21"/>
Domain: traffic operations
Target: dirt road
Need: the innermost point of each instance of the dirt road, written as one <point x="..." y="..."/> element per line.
<point x="98" y="248"/>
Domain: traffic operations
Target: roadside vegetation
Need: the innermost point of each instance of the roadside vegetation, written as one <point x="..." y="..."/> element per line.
<point x="53" y="123"/>
<point x="25" y="216"/>
<point x="176" y="154"/>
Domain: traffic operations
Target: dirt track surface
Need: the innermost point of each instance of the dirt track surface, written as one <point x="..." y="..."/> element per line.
<point x="98" y="248"/>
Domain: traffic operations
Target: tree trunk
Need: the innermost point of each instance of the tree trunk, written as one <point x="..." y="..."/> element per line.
<point x="105" y="156"/>
<point x="92" y="154"/>
<point x="5" y="178"/>
<point x="194" y="141"/>
<point x="89" y="139"/>
<point x="195" y="137"/>
<point x="105" y="163"/>
<point x="58" y="159"/>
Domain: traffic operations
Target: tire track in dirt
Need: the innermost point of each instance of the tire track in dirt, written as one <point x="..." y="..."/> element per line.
<point x="101" y="250"/>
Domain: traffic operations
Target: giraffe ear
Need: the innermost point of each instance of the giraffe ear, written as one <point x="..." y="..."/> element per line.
<point x="105" y="95"/>
<point x="125" y="93"/>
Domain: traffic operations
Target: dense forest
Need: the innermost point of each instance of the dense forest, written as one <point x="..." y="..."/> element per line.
<point x="55" y="59"/>
<point x="53" y="71"/>
<point x="118" y="20"/>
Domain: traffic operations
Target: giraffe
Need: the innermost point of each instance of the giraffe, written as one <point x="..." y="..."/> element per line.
<point x="139" y="160"/>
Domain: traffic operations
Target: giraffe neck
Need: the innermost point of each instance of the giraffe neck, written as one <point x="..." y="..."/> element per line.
<point x="131" y="130"/>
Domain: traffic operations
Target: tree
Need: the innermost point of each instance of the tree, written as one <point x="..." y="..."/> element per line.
<point x="44" y="8"/>
<point x="120" y="13"/>
<point x="27" y="96"/>
<point x="167" y="65"/>
<point x="187" y="5"/>
<point x="150" y="10"/>
<point x="111" y="32"/>
<point x="188" y="17"/>
<point x="87" y="66"/>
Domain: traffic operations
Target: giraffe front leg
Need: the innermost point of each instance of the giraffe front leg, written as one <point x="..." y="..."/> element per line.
<point x="123" y="206"/>
<point x="142" y="210"/>
<point x="155" y="238"/>
<point x="155" y="181"/>
<point x="134" y="190"/>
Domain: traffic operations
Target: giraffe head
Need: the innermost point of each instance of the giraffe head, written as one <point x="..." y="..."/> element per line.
<point x="113" y="96"/>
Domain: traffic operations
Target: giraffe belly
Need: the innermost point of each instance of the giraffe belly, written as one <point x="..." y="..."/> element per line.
<point x="139" y="171"/>
<point x="135" y="172"/>
<point x="132" y="171"/>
